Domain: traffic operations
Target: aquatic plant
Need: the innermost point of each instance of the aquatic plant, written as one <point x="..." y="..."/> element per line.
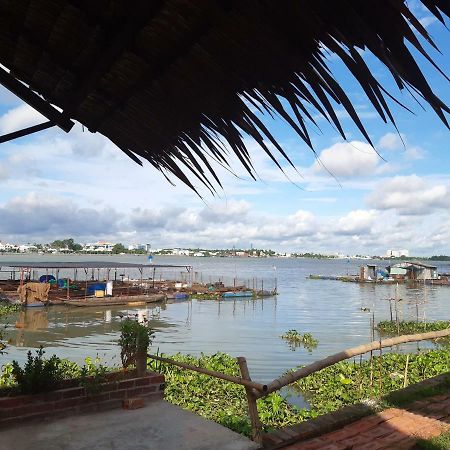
<point x="8" y="308"/>
<point x="219" y="400"/>
<point x="328" y="390"/>
<point x="296" y="339"/>
<point x="393" y="328"/>
<point x="349" y="382"/>
<point x="388" y="327"/>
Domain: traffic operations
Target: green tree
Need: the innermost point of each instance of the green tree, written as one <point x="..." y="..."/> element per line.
<point x="119" y="248"/>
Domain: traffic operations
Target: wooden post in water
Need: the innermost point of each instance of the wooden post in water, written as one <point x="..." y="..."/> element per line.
<point x="251" y="402"/>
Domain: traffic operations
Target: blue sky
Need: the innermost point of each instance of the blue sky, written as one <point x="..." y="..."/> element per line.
<point x="56" y="185"/>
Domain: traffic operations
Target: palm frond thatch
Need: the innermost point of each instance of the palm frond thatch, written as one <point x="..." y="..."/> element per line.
<point x="177" y="82"/>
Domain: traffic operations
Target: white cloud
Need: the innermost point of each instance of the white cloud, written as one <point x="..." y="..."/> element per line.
<point x="20" y="117"/>
<point x="391" y="141"/>
<point x="414" y="153"/>
<point x="348" y="159"/>
<point x="410" y="195"/>
<point x="356" y="222"/>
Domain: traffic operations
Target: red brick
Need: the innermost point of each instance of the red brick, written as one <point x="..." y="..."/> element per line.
<point x="312" y="444"/>
<point x="70" y="402"/>
<point x="118" y="394"/>
<point x="379" y="431"/>
<point x="157" y="379"/>
<point x="143" y="381"/>
<point x="73" y="392"/>
<point x="148" y="389"/>
<point x="390" y="413"/>
<point x="133" y="403"/>
<point x="135" y="392"/>
<point x="390" y="439"/>
<point x="438" y="406"/>
<point x="12" y="402"/>
<point x="359" y="439"/>
<point x="405" y="444"/>
<point x="126" y="384"/>
<point x="340" y="434"/>
<point x="372" y="445"/>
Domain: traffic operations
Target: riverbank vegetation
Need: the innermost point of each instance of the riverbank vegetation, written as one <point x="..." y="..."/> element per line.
<point x="343" y="384"/>
<point x="388" y="327"/>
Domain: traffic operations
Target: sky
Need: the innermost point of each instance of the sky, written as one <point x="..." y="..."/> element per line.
<point x="55" y="185"/>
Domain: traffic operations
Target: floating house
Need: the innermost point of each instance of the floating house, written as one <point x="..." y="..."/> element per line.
<point x="412" y="271"/>
<point x="403" y="271"/>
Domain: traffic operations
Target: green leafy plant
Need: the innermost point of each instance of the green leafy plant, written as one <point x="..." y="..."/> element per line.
<point x="93" y="374"/>
<point x="38" y="374"/>
<point x="296" y="339"/>
<point x="389" y="327"/>
<point x="348" y="382"/>
<point x="135" y="338"/>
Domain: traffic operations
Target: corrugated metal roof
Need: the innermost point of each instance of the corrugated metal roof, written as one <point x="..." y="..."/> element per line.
<point x="85" y="265"/>
<point x="397" y="271"/>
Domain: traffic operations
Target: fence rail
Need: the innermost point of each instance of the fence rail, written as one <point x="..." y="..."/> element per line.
<point x="256" y="390"/>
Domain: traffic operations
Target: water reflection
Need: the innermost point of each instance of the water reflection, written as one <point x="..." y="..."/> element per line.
<point x="337" y="314"/>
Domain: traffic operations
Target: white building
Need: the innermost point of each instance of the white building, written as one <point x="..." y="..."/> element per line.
<point x="5" y="247"/>
<point x="100" y="246"/>
<point x="180" y="252"/>
<point x="27" y="248"/>
<point x="397" y="253"/>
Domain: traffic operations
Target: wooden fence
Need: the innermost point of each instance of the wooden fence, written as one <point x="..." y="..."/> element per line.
<point x="256" y="390"/>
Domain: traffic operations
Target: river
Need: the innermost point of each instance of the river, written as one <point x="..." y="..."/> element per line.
<point x="335" y="313"/>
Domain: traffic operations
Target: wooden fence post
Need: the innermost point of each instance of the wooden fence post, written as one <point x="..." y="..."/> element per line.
<point x="251" y="402"/>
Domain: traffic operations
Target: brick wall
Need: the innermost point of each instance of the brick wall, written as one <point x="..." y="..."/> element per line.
<point x="71" y="400"/>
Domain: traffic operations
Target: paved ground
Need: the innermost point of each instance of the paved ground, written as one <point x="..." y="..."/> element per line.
<point x="391" y="429"/>
<point x="158" y="426"/>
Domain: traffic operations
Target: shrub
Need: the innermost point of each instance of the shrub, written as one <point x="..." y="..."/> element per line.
<point x="38" y="374"/>
<point x="135" y="338"/>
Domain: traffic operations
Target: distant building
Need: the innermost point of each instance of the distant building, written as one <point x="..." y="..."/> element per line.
<point x="100" y="246"/>
<point x="27" y="248"/>
<point x="5" y="247"/>
<point x="397" y="253"/>
<point x="411" y="270"/>
<point x="180" y="252"/>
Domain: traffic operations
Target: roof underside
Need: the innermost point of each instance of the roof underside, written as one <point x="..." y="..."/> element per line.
<point x="87" y="265"/>
<point x="177" y="82"/>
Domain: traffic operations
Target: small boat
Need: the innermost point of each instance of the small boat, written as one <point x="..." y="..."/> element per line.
<point x="177" y="296"/>
<point x="33" y="305"/>
<point x="232" y="294"/>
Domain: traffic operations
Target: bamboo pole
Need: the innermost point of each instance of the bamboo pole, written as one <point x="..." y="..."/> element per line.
<point x="405" y="377"/>
<point x="251" y="402"/>
<point x="251" y="384"/>
<point x="290" y="377"/>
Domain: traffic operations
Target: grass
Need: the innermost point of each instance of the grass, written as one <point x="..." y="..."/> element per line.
<point x="441" y="442"/>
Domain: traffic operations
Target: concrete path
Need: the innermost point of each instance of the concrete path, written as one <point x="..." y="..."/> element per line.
<point x="391" y="429"/>
<point x="158" y="426"/>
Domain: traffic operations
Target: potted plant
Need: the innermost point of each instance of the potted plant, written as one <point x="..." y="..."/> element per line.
<point x="135" y="339"/>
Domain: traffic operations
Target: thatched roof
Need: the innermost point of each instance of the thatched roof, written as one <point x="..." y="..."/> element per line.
<point x="177" y="82"/>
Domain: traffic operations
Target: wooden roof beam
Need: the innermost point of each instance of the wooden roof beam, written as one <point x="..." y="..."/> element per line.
<point x="35" y="101"/>
<point x="26" y="131"/>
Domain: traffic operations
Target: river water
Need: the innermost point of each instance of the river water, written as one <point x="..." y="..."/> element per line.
<point x="335" y="313"/>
